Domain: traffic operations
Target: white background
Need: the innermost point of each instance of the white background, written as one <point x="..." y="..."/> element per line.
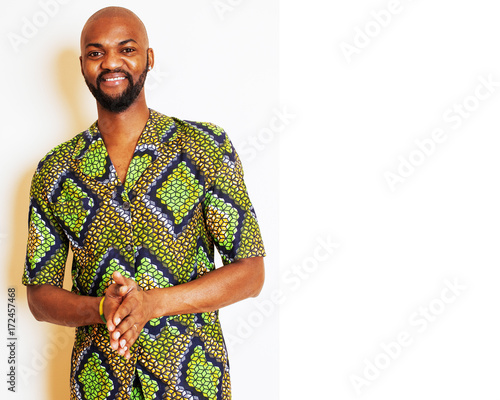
<point x="212" y="66"/>
<point x="357" y="118"/>
<point x="396" y="248"/>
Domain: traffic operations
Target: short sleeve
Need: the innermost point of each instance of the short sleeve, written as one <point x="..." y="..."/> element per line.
<point x="230" y="216"/>
<point x="47" y="248"/>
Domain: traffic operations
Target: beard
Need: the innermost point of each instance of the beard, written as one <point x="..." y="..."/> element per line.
<point x="121" y="102"/>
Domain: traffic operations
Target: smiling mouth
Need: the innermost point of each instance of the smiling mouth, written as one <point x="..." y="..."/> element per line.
<point x="120" y="78"/>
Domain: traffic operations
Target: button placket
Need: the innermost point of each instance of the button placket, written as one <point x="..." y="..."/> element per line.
<point x="126" y="206"/>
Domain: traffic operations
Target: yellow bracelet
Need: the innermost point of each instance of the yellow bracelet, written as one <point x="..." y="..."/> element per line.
<point x="101" y="310"/>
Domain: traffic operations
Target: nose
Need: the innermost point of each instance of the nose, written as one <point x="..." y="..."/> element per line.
<point x="111" y="61"/>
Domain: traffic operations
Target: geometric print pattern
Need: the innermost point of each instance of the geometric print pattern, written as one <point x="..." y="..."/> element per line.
<point x="183" y="196"/>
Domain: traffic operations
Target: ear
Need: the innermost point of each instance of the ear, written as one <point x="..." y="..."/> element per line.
<point x="151" y="57"/>
<point x="81" y="65"/>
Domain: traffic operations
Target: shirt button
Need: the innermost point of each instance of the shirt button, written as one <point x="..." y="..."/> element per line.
<point x="128" y="247"/>
<point x="126" y="206"/>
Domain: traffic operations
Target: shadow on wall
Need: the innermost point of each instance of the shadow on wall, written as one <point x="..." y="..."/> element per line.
<point x="53" y="358"/>
<point x="73" y="90"/>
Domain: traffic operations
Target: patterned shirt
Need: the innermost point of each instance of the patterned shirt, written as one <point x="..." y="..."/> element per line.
<point x="183" y="195"/>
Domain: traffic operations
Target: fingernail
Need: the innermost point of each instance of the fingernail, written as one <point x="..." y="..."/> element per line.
<point x="117" y="321"/>
<point x="122" y="343"/>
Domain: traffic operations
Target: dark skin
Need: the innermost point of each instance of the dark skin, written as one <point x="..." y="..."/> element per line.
<point x="114" y="38"/>
<point x="117" y="40"/>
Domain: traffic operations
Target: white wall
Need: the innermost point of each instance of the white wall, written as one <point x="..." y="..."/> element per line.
<point x="212" y="64"/>
<point x="376" y="309"/>
<point x="420" y="66"/>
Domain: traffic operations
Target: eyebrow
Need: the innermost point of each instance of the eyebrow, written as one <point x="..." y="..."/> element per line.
<point x="100" y="46"/>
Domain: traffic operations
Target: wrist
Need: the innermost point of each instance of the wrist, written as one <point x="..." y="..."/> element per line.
<point x="151" y="307"/>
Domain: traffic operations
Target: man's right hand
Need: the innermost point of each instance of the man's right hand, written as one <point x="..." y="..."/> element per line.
<point x="114" y="297"/>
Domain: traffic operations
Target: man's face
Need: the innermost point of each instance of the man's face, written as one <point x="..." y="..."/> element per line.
<point x="114" y="61"/>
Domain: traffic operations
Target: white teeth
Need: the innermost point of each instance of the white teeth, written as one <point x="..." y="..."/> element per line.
<point x="115" y="79"/>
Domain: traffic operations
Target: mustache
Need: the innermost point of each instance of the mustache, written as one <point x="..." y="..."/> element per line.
<point x="100" y="77"/>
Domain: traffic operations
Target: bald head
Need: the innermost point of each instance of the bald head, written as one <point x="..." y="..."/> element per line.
<point x="113" y="18"/>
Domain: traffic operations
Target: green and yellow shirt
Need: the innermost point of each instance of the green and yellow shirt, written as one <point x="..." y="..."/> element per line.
<point x="184" y="195"/>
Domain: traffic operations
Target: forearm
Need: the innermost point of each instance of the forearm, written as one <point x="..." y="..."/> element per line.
<point x="52" y="304"/>
<point x="226" y="285"/>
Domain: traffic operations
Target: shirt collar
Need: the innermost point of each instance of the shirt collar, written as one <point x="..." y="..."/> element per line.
<point x="92" y="157"/>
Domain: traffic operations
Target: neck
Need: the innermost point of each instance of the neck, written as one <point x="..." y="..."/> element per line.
<point x="125" y="126"/>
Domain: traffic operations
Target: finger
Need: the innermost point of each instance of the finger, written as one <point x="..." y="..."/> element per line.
<point x="120" y="340"/>
<point x="109" y="313"/>
<point x="125" y="308"/>
<point x="132" y="335"/>
<point x="128" y="339"/>
<point x="123" y="285"/>
<point x="118" y="278"/>
<point x="114" y="340"/>
<point x="110" y="325"/>
<point x="114" y="344"/>
<point x="115" y="291"/>
<point x="123" y="351"/>
<point x="125" y="325"/>
<point x="124" y="289"/>
<point x="122" y="280"/>
<point x="127" y="354"/>
<point x="111" y="304"/>
<point x="119" y="313"/>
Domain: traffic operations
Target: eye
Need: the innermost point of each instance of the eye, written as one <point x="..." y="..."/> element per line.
<point x="128" y="50"/>
<point x="94" y="54"/>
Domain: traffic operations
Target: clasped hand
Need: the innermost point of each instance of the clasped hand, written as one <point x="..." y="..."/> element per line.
<point x="126" y="310"/>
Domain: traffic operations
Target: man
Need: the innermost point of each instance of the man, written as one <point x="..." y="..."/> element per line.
<point x="142" y="199"/>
